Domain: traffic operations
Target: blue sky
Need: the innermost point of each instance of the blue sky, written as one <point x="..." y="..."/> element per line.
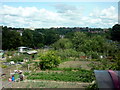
<point x="59" y="14"/>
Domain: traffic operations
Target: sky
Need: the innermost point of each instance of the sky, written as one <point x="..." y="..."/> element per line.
<point x="59" y="14"/>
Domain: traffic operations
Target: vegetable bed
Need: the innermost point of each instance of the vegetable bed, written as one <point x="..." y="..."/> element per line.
<point x="72" y="76"/>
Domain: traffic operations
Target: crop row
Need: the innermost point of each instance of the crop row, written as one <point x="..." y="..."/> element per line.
<point x="64" y="76"/>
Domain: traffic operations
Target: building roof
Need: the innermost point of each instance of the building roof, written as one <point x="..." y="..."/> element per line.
<point x="22" y="47"/>
<point x="32" y="52"/>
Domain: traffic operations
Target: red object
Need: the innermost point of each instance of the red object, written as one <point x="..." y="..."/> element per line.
<point x="83" y="57"/>
<point x="10" y="80"/>
<point x="115" y="79"/>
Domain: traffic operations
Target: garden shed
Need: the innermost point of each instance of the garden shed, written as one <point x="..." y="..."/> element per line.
<point x="22" y="49"/>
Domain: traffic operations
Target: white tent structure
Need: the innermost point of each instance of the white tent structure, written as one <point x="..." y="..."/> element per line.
<point x="22" y="49"/>
<point x="32" y="52"/>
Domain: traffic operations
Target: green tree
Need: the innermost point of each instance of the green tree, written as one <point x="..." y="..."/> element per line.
<point x="115" y="32"/>
<point x="51" y="36"/>
<point x="27" y="38"/>
<point x="49" y="60"/>
<point x="63" y="44"/>
<point x="10" y="39"/>
<point x="78" y="40"/>
<point x="96" y="45"/>
<point x="38" y="39"/>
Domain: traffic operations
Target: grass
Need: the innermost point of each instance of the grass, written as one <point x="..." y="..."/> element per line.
<point x="48" y="84"/>
<point x="65" y="69"/>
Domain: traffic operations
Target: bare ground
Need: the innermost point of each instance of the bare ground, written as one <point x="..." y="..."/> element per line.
<point x="75" y="64"/>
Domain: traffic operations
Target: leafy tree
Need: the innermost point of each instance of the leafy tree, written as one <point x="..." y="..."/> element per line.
<point x="51" y="36"/>
<point x="63" y="44"/>
<point x="10" y="39"/>
<point x="96" y="45"/>
<point x="78" y="39"/>
<point x="38" y="39"/>
<point x="27" y="38"/>
<point x="115" y="32"/>
<point x="49" y="60"/>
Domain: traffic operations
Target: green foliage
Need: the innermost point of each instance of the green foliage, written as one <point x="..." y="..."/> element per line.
<point x="24" y="65"/>
<point x="3" y="66"/>
<point x="49" y="60"/>
<point x="103" y="64"/>
<point x="82" y="75"/>
<point x="17" y="58"/>
<point x="62" y="44"/>
<point x="51" y="36"/>
<point x="10" y="39"/>
<point x="68" y="53"/>
<point x="115" y="32"/>
<point x="27" y="38"/>
<point x="9" y="53"/>
<point x="66" y="69"/>
<point x="78" y="39"/>
<point x="117" y="61"/>
<point x="94" y="46"/>
<point x="94" y="55"/>
<point x="26" y="73"/>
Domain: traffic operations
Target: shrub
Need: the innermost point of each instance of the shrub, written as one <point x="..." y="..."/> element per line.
<point x="94" y="55"/>
<point x="49" y="60"/>
<point x="69" y="53"/>
<point x="26" y="73"/>
<point x="4" y="66"/>
<point x="17" y="58"/>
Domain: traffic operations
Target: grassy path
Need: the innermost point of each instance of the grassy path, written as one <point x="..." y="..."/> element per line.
<point x="75" y="64"/>
<point x="49" y="84"/>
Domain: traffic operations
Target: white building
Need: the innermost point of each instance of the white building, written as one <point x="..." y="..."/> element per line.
<point x="22" y="49"/>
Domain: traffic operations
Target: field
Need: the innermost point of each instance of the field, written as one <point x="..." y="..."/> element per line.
<point x="65" y="76"/>
<point x="69" y="74"/>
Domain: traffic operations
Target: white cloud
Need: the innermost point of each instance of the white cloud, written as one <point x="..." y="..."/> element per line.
<point x="107" y="17"/>
<point x="66" y="15"/>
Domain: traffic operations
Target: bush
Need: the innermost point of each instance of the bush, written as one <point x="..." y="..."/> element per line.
<point x="103" y="64"/>
<point x="9" y="53"/>
<point x="4" y="66"/>
<point x="26" y="73"/>
<point x="49" y="60"/>
<point x="16" y="58"/>
<point x="94" y="55"/>
<point x="62" y="44"/>
<point x="69" y="53"/>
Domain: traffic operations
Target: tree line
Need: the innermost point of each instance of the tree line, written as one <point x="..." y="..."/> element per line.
<point x="11" y="37"/>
